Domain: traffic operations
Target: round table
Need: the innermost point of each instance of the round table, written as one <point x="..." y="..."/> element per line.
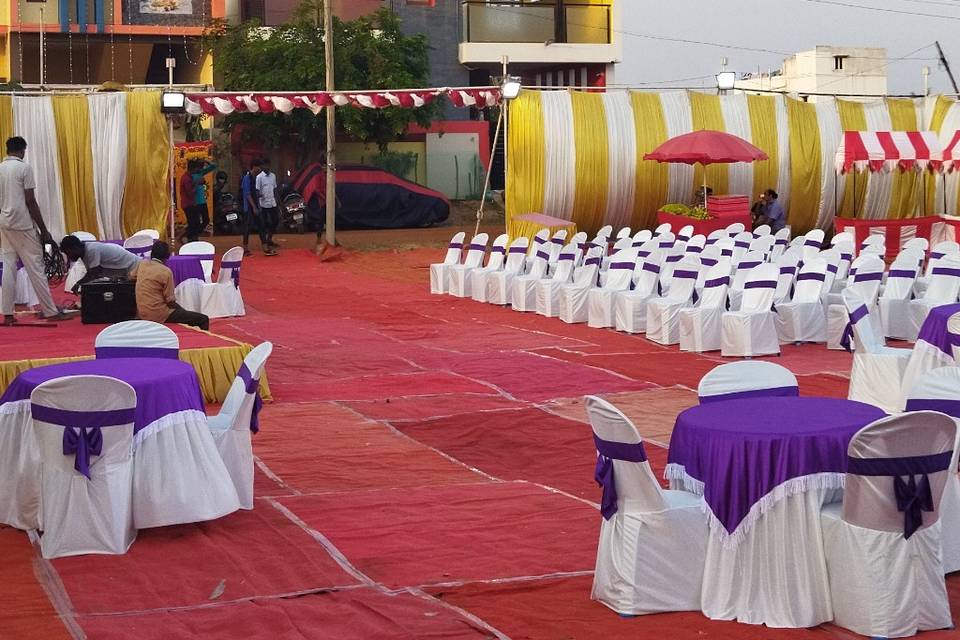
<point x="163" y="386"/>
<point x="185" y="267"/>
<point x="765" y="466"/>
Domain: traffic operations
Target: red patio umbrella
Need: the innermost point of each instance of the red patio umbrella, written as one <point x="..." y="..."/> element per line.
<point x="706" y="147"/>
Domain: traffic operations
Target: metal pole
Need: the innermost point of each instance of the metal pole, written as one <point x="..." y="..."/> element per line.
<point x="331" y="126"/>
<point x="171" y="161"/>
<point x="486" y="184"/>
<point x="946" y="65"/>
<point x="504" y="112"/>
<point x="41" y="46"/>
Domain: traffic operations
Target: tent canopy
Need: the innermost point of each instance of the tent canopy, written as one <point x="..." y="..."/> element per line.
<point x="884" y="150"/>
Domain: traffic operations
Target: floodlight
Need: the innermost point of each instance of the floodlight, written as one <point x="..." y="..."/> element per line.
<point x="173" y="102"/>
<point x="726" y="80"/>
<point x="510" y="87"/>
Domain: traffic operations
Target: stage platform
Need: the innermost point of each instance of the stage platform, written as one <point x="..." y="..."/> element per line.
<point x="215" y="358"/>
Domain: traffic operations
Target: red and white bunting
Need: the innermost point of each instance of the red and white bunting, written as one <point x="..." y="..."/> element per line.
<point x="885" y="150"/>
<point x="221" y="104"/>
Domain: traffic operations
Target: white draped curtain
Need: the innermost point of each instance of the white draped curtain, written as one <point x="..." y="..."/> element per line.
<point x="33" y="120"/>
<point x="108" y="142"/>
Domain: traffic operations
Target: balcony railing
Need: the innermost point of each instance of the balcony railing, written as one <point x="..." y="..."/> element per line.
<point x="525" y="21"/>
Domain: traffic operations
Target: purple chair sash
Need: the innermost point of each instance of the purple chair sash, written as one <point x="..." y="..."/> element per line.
<point x="902" y="273"/>
<point x="643" y="254"/>
<point x="543" y="255"/>
<point x="82" y="437"/>
<point x="944" y="271"/>
<point x="592" y="260"/>
<point x="811" y="243"/>
<point x="716" y="282"/>
<point x="846" y="256"/>
<point x="583" y="246"/>
<point x="674" y="258"/>
<point x="683" y="273"/>
<point x="761" y="284"/>
<point x="538" y="240"/>
<point x="455" y="245"/>
<point x="652" y="268"/>
<point x="235" y="265"/>
<point x="936" y="255"/>
<point x="566" y="256"/>
<point x="780" y="241"/>
<point x="683" y="238"/>
<point x="832" y="268"/>
<point x="558" y="241"/>
<point x="856" y="316"/>
<point x="749" y="265"/>
<point x="710" y="241"/>
<point x="622" y="265"/>
<point x="740" y="244"/>
<point x="949" y="407"/>
<point x="753" y="393"/>
<point x="103" y="353"/>
<point x="252" y="385"/>
<point x="726" y="253"/>
<point x="498" y="249"/>
<point x="810" y="275"/>
<point x="913" y="496"/>
<point x="518" y="250"/>
<point x="708" y="262"/>
<point x="203" y="256"/>
<point x="141" y="252"/>
<point x="867" y="277"/>
<point x="607" y="452"/>
<point x="667" y="244"/>
<point x="694" y="249"/>
<point x="477" y="247"/>
<point x="788" y="269"/>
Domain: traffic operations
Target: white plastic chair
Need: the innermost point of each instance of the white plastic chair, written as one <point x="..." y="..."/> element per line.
<point x="939" y="390"/>
<point x="700" y="325"/>
<point x="84" y="430"/>
<point x="741" y="245"/>
<point x="600" y="301"/>
<point x="781" y="240"/>
<point x="550" y="292"/>
<point x="748" y="261"/>
<point x="747" y="379"/>
<point x="438" y="270"/>
<point x="547" y="288"/>
<point x="685" y="233"/>
<point x="735" y="228"/>
<point x="662" y="229"/>
<point x="812" y="243"/>
<point x="886" y="579"/>
<point x="153" y="233"/>
<point x="696" y="244"/>
<point x="844" y="237"/>
<point x="139" y="245"/>
<point x="630" y="307"/>
<point x="895" y="297"/>
<point x="85" y="236"/>
<point x="652" y="546"/>
<point x="865" y="283"/>
<point x="232" y="427"/>
<point x="877" y="374"/>
<point x="751" y="330"/>
<point x="663" y="313"/>
<point x="572" y="298"/>
<point x="499" y="282"/>
<point x="222" y="299"/>
<point x="641" y="237"/>
<point x="762" y="230"/>
<point x="477" y="278"/>
<point x="206" y="251"/>
<point x="804" y="318"/>
<point x="523" y="289"/>
<point x="137" y="339"/>
<point x="943" y="289"/>
<point x="624" y="232"/>
<point x="457" y="274"/>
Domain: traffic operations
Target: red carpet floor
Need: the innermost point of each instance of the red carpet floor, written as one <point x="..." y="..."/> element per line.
<point x="426" y="471"/>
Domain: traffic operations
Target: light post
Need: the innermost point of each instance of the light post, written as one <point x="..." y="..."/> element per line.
<point x="510" y="88"/>
<point x="726" y="81"/>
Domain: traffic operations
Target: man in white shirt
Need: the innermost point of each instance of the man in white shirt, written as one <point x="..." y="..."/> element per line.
<point x="20" y="220"/>
<point x="269" y="213"/>
<point x="100" y="259"/>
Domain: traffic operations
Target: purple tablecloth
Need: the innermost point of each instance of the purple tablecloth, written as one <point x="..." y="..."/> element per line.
<point x="742" y="449"/>
<point x="163" y="386"/>
<point x="934" y="329"/>
<point x="185" y="267"/>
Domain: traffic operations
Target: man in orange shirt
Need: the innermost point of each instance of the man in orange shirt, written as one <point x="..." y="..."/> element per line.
<point x="155" y="299"/>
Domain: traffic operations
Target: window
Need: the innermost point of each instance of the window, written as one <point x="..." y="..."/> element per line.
<point x="838" y="63"/>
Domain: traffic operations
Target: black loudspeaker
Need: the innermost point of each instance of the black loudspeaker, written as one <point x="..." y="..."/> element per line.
<point x="108" y="300"/>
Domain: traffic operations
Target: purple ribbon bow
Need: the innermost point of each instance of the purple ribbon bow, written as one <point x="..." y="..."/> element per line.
<point x="82" y="437"/>
<point x="913" y="496"/>
<point x="235" y="265"/>
<point x="855" y="316"/>
<point x="607" y="452"/>
<point x="252" y="385"/>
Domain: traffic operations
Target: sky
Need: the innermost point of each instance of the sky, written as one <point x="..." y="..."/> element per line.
<point x="775" y="29"/>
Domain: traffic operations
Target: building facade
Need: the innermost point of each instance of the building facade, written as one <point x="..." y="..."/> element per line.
<point x="848" y="71"/>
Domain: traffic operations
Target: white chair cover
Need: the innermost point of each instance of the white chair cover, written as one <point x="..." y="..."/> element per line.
<point x="741" y="244"/>
<point x="812" y="243"/>
<point x="630" y="307"/>
<point x="895" y="298"/>
<point x="663" y="313"/>
<point x="524" y="288"/>
<point x="781" y="240"/>
<point x="746" y="379"/>
<point x="845" y="251"/>
<point x="153" y="233"/>
<point x="557" y="241"/>
<point x="877" y="374"/>
<point x="206" y="251"/>
<point x="953" y="327"/>
<point x="139" y="245"/>
<point x="605" y="231"/>
<point x="714" y="236"/>
<point x="943" y="289"/>
<point x="137" y="339"/>
<point x="438" y="270"/>
<point x="84" y="432"/>
<point x="549" y="291"/>
<point x="457" y="274"/>
<point x="85" y="236"/>
<point x="624" y="232"/>
<point x="939" y="390"/>
<point x="476" y="282"/>
<point x="844" y="237"/>
<point x="763" y="244"/>
<point x="762" y="230"/>
<point x="735" y="228"/>
<point x="572" y="297"/>
<point x="875" y="242"/>
<point x="642" y="236"/>
<point x="651" y="551"/>
<point x="499" y="283"/>
<point x="865" y="281"/>
<point x="238" y="419"/>
<point x="700" y="326"/>
<point x="788" y="265"/>
<point x="685" y="233"/>
<point x="751" y="330"/>
<point x="619" y="245"/>
<point x="696" y="244"/>
<point x="600" y="301"/>
<point x="662" y="229"/>
<point x="222" y="299"/>
<point x="747" y="261"/>
<point x="545" y="288"/>
<point x="804" y="318"/>
<point x="883" y="551"/>
<point x="919" y="244"/>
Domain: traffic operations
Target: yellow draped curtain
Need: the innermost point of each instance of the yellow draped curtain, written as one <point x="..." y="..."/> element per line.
<point x="805" y="164"/>
<point x="706" y="113"/>
<point x="904" y="194"/>
<point x="525" y="169"/>
<point x="763" y="131"/>
<point x="6" y="121"/>
<point x="146" y="196"/>
<point x="940" y="110"/>
<point x="592" y="160"/>
<point x="852" y="118"/>
<point x="72" y="120"/>
<point x="652" y="177"/>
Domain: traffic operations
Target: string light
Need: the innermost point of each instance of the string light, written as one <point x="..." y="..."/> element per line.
<point x="113" y="57"/>
<point x="130" y="40"/>
<point x="86" y="50"/>
<point x="20" y="37"/>
<point x="70" y="47"/>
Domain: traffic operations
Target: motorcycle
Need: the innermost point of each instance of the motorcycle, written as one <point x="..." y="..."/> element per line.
<point x="226" y="214"/>
<point x="293" y="210"/>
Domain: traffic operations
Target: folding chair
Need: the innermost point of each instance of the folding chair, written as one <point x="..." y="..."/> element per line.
<point x="804" y="318"/>
<point x="551" y="292"/>
<point x="663" y="322"/>
<point x="882" y="543"/>
<point x="751" y="331"/>
<point x="865" y="283"/>
<point x="499" y="283"/>
<point x="203" y="250"/>
<point x="700" y="325"/>
<point x="746" y="379"/>
<point x="600" y="301"/>
<point x="477" y="278"/>
<point x="652" y="546"/>
<point x="877" y="374"/>
<point x="458" y="282"/>
<point x="943" y="289"/>
<point x="547" y="288"/>
<point x="137" y="339"/>
<point x="895" y="297"/>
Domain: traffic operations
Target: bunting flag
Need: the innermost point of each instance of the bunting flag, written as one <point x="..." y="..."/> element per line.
<point x="221" y="104"/>
<point x="100" y="159"/>
<point x="572" y="154"/>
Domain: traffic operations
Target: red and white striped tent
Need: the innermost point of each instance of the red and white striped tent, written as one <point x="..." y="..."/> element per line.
<point x="884" y="150"/>
<point x="951" y="153"/>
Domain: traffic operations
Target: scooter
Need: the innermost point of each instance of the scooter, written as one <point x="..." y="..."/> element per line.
<point x="293" y="209"/>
